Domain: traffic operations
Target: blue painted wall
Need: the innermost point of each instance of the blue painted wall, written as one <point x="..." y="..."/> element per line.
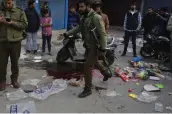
<point x="59" y="11"/>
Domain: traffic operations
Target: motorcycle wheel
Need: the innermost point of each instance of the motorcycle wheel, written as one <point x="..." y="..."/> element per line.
<point x="63" y="55"/>
<point x="147" y="51"/>
<point x="110" y="57"/>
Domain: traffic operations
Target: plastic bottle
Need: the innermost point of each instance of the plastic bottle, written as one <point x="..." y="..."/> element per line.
<point x="121" y="74"/>
<point x="159" y="107"/>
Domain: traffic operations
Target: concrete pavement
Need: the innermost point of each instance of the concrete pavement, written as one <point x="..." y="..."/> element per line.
<point x="67" y="101"/>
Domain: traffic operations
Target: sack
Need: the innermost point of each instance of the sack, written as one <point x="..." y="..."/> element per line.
<point x="25" y="107"/>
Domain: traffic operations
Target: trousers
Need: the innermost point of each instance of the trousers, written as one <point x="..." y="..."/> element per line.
<point x="12" y="50"/>
<point x="31" y="37"/>
<point x="48" y="40"/>
<point x="92" y="55"/>
<point x="126" y="41"/>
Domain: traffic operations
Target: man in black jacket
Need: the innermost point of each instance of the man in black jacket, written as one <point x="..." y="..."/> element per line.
<point x="149" y="21"/>
<point x="33" y="27"/>
<point x="132" y="24"/>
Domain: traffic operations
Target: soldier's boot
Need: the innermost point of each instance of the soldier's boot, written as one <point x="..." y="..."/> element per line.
<point x="86" y="92"/>
<point x="15" y="83"/>
<point x="107" y="74"/>
<point x="2" y="86"/>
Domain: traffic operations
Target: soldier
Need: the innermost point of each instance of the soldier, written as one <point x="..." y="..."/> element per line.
<point x="12" y="25"/>
<point x="90" y="20"/>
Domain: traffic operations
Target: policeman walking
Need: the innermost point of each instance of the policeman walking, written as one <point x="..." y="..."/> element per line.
<point x="90" y="20"/>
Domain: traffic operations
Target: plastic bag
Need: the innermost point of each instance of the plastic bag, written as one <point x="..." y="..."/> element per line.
<point x="158" y="107"/>
<point x="17" y="95"/>
<point x="33" y="82"/>
<point x="112" y="93"/>
<point x="146" y="97"/>
<point x="26" y="107"/>
<point x="44" y="92"/>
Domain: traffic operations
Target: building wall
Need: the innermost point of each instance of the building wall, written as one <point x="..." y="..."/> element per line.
<point x="116" y="9"/>
<point x="58" y="11"/>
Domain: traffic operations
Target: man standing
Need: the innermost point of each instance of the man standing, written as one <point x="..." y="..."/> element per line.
<point x="149" y="21"/>
<point x="132" y="24"/>
<point x="104" y="16"/>
<point x="12" y="25"/>
<point x="33" y="26"/>
<point x="45" y="7"/>
<point x="73" y="18"/>
<point x="89" y="21"/>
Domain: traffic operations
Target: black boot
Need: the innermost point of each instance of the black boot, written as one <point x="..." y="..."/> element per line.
<point x="86" y="92"/>
<point x="35" y="52"/>
<point x="123" y="54"/>
<point x="107" y="74"/>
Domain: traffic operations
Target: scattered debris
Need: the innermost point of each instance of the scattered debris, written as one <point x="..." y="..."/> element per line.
<point x="160" y="86"/>
<point x="169" y="93"/>
<point x="121" y="74"/>
<point x="37" y="61"/>
<point x="151" y="88"/>
<point x="132" y="96"/>
<point x="159" y="107"/>
<point x="146" y="97"/>
<point x="22" y="108"/>
<point x="44" y="92"/>
<point x="75" y="83"/>
<point x="154" y="78"/>
<point x="37" y="58"/>
<point x="44" y="76"/>
<point x="50" y="60"/>
<point x="137" y="84"/>
<point x="111" y="93"/>
<point x="169" y="108"/>
<point x="17" y="95"/>
<point x="130" y="90"/>
<point x="129" y="50"/>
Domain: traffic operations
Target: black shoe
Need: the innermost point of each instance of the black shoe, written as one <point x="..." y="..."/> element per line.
<point x="107" y="74"/>
<point x="27" y="51"/>
<point x="35" y="51"/>
<point x="123" y="54"/>
<point x="85" y="93"/>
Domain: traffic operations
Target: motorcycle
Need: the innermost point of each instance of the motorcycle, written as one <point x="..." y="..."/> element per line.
<point x="69" y="51"/>
<point x="156" y="46"/>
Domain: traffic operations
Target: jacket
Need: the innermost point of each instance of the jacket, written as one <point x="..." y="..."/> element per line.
<point x="13" y="32"/>
<point x="149" y="21"/>
<point x="132" y="22"/>
<point x="87" y="23"/>
<point x="73" y="20"/>
<point x="33" y="20"/>
<point x="106" y="21"/>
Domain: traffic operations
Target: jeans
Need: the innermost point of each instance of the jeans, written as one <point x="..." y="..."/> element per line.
<point x="33" y="46"/>
<point x="48" y="39"/>
<point x="126" y="41"/>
